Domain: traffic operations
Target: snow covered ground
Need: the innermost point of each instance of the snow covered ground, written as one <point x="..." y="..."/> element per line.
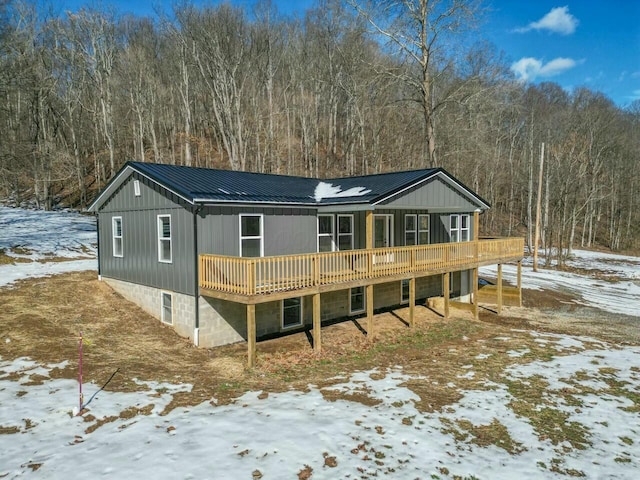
<point x="35" y="237"/>
<point x="616" y="288"/>
<point x="123" y="435"/>
<point x="279" y="436"/>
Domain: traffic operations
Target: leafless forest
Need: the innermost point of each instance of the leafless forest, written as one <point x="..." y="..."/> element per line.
<point x="347" y="88"/>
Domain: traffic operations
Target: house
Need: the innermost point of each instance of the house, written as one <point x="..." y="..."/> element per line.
<point x="226" y="256"/>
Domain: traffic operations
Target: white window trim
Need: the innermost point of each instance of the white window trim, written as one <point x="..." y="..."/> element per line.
<point x="162" y="319"/>
<point x="252" y="237"/>
<point x="406" y="230"/>
<point x="114" y="237"/>
<point x="333" y="231"/>
<point x="136" y="188"/>
<point x="364" y="302"/>
<point x="428" y="230"/>
<point x="467" y="229"/>
<point x="164" y="239"/>
<point x="404" y="301"/>
<point x="300" y="322"/>
<point x="338" y="234"/>
<point x="460" y="229"/>
<point x="390" y="219"/>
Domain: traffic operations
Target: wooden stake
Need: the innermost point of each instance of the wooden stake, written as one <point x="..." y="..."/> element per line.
<point x="538" y="208"/>
<point x="499" y="309"/>
<point x="446" y="280"/>
<point x="317" y="327"/>
<point x="251" y="336"/>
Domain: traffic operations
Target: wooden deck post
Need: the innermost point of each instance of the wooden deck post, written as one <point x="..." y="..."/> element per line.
<point x="251" y="336"/>
<point x="412" y="301"/>
<point x="476" y="225"/>
<point x="369" y="295"/>
<point x="317" y="332"/>
<point x="446" y="281"/>
<point x="519" y="283"/>
<point x="499" y="309"/>
<point x="476" y="312"/>
<point x="369" y="229"/>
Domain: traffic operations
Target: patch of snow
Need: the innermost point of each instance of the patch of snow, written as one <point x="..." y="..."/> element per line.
<point x="282" y="433"/>
<point x="613" y="296"/>
<point x="328" y="190"/>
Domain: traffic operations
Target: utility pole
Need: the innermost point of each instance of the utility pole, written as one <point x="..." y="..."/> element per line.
<point x="538" y="207"/>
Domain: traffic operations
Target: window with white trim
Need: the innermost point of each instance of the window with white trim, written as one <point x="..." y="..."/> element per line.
<point x="424" y="222"/>
<point x="164" y="238"/>
<point x="357" y="300"/>
<point x="167" y="310"/>
<point x="404" y="291"/>
<point x="291" y="312"/>
<point x="326" y="242"/>
<point x="345" y="232"/>
<point x="459" y="228"/>
<point x="136" y="188"/>
<point x="410" y="229"/>
<point x="251" y="235"/>
<point x="464" y="228"/>
<point x="116" y="232"/>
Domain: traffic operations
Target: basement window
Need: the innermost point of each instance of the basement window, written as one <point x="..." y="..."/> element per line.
<point x="291" y="312"/>
<point x="356" y="300"/>
<point x="167" y="311"/>
<point x="404" y="293"/>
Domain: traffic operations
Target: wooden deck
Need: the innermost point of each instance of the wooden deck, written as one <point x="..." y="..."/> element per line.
<point x="265" y="279"/>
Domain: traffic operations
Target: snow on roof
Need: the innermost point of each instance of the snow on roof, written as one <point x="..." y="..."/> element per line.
<point x="328" y="190"/>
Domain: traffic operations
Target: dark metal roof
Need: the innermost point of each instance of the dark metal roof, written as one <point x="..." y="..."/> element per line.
<point x="210" y="185"/>
<point x="207" y="186"/>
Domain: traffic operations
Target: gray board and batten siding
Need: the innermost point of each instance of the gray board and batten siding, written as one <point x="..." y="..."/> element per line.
<point x="438" y="194"/>
<point x="139" y="262"/>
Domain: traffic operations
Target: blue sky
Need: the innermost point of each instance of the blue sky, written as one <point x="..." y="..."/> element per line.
<point x="592" y="43"/>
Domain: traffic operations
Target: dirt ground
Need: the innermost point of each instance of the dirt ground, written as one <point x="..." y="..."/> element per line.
<point x="42" y="319"/>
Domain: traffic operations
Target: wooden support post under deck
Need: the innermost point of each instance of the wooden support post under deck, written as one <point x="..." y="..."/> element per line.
<point x="519" y="283"/>
<point x="251" y="335"/>
<point x="317" y="332"/>
<point x="369" y="299"/>
<point x="499" y="294"/>
<point x="412" y="301"/>
<point x="476" y="313"/>
<point x="446" y="280"/>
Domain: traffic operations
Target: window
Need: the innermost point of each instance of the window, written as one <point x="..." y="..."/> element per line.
<point x="423" y="229"/>
<point x="410" y="230"/>
<point x="292" y="312"/>
<point x="251" y="236"/>
<point x="166" y="308"/>
<point x="325" y="233"/>
<point x="164" y="238"/>
<point x="356" y="300"/>
<point x="345" y="232"/>
<point x="464" y="228"/>
<point x="404" y="291"/>
<point x="116" y="231"/>
<point x="454" y="228"/>
<point x="136" y="188"/>
<point x="459" y="228"/>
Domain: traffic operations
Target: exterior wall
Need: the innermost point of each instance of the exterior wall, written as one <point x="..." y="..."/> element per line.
<point x="435" y="193"/>
<point x="287" y="231"/>
<point x="150" y="300"/>
<point x="139" y="263"/>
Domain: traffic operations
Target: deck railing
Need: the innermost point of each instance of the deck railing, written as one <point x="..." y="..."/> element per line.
<point x="264" y="275"/>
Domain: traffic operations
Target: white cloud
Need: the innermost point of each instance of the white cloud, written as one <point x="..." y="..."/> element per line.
<point x="529" y="68"/>
<point x="558" y="20"/>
